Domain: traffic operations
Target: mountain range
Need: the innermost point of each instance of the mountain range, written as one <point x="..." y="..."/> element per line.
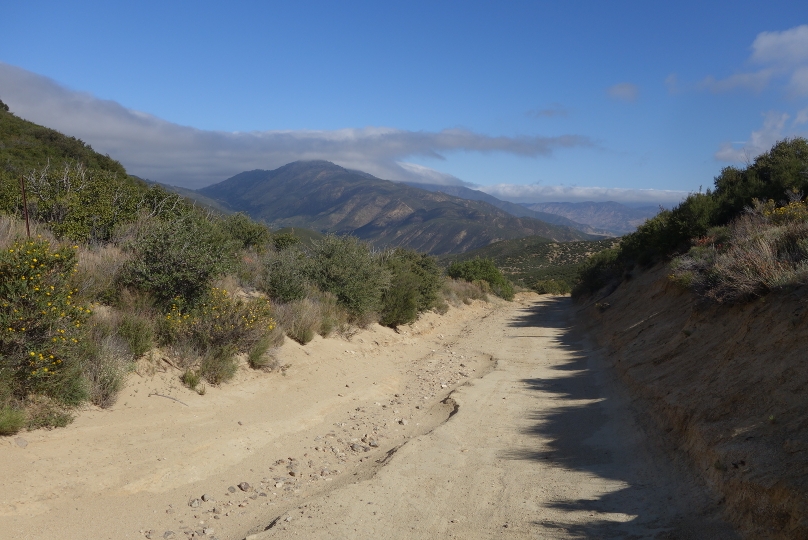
<point x="611" y="216"/>
<point x="326" y="197"/>
<point x="514" y="209"/>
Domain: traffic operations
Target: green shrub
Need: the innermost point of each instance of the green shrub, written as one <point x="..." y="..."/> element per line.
<point x="219" y="364"/>
<point x="257" y="358"/>
<point x="773" y="176"/>
<point x="218" y="320"/>
<point x="246" y="232"/>
<point x="177" y="259"/>
<point x="400" y="300"/>
<point x="41" y="323"/>
<point x="601" y="269"/>
<point x="11" y="420"/>
<point x="285" y="240"/>
<point x="286" y="275"/>
<point x="138" y="333"/>
<point x="415" y="284"/>
<point x="191" y="379"/>
<point x="79" y="203"/>
<point x="348" y="269"/>
<point x="551" y="286"/>
<point x="482" y="270"/>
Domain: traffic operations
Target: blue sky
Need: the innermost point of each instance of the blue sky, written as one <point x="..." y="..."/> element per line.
<point x="630" y="101"/>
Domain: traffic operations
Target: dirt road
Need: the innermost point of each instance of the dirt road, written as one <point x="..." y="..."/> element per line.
<point x="490" y="421"/>
<point x="544" y="446"/>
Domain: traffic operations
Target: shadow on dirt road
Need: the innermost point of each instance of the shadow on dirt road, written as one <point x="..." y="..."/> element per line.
<point x="598" y="429"/>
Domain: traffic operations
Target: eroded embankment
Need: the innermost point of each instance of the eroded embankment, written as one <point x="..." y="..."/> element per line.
<point x="727" y="382"/>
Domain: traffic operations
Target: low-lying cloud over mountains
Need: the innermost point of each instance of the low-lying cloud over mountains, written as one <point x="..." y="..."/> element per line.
<point x="162" y="151"/>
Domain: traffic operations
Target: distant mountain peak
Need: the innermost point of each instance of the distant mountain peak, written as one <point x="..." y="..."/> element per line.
<point x="323" y="196"/>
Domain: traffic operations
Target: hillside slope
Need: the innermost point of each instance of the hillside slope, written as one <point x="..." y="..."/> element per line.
<point x="514" y="209"/>
<point x="25" y="146"/>
<point x="728" y="383"/>
<point x="617" y="218"/>
<point x="323" y="196"/>
<point x="533" y="258"/>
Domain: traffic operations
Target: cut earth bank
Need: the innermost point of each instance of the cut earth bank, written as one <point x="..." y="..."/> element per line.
<point x="728" y="383"/>
<point x="495" y="420"/>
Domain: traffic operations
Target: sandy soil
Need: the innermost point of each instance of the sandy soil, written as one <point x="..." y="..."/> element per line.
<point x="493" y="420"/>
<point x="728" y="382"/>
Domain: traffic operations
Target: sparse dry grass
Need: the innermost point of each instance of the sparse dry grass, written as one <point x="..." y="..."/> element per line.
<point x="459" y="292"/>
<point x="759" y="252"/>
<point x="98" y="270"/>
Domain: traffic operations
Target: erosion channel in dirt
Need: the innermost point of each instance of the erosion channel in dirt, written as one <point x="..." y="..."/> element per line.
<point x="495" y="420"/>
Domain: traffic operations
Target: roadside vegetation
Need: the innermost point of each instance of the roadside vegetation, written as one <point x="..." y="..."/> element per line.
<point x="538" y="263"/>
<point x="117" y="271"/>
<point x="744" y="238"/>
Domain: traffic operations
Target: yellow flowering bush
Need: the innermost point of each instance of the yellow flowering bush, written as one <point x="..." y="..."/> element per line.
<point x="219" y="319"/>
<point x="41" y="322"/>
<point x="793" y="212"/>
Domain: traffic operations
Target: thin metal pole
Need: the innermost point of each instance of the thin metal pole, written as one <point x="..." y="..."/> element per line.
<point x="25" y="206"/>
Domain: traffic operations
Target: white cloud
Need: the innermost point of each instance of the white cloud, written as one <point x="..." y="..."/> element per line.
<point x="425" y="175"/>
<point x="756" y="81"/>
<point x="624" y="91"/>
<point x="798" y="85"/>
<point x="162" y="151"/>
<point x="760" y="141"/>
<point x="781" y="55"/>
<point x="801" y="118"/>
<point x="535" y="193"/>
<point x="787" y="48"/>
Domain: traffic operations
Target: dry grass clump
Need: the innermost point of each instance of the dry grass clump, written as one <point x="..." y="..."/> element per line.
<point x="12" y="229"/>
<point x="458" y="292"/>
<point x="300" y="319"/>
<point x="761" y="251"/>
<point x="98" y="270"/>
<point x="317" y="313"/>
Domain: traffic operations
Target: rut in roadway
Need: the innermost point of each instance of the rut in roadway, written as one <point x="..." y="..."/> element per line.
<point x="547" y="445"/>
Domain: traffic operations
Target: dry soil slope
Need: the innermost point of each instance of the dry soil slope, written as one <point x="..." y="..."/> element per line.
<point x="729" y="383"/>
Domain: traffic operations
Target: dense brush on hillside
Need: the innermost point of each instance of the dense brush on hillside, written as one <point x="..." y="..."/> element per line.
<point x="538" y="263"/>
<point x="752" y="220"/>
<point x="114" y="268"/>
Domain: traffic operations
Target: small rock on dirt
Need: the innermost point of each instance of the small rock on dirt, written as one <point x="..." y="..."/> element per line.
<point x="244" y="486"/>
<point x="207" y="497"/>
<point x="22" y="443"/>
<point x="194" y="503"/>
<point x="231" y="489"/>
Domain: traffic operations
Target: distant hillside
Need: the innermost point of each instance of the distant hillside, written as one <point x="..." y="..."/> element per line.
<point x="25" y="146"/>
<point x="322" y="196"/>
<point x="528" y="260"/>
<point x="307" y="236"/>
<point x="617" y="218"/>
<point x="514" y="209"/>
<point x="197" y="198"/>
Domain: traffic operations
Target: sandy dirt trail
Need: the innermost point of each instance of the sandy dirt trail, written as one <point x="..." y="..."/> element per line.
<point x="544" y="446"/>
<point x="489" y="421"/>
